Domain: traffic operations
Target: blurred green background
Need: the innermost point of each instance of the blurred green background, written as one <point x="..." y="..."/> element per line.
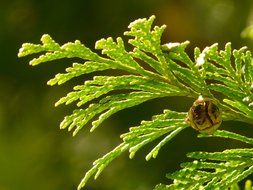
<point x="34" y="153"/>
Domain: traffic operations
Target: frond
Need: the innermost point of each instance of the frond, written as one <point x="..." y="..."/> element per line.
<point x="231" y="74"/>
<point x="142" y="84"/>
<point x="216" y="170"/>
<point x="165" y="126"/>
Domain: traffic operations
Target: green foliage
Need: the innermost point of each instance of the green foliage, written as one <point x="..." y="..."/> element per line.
<point x="153" y="71"/>
<point x="216" y="170"/>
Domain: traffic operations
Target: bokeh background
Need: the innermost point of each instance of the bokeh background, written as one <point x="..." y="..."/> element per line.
<point x="34" y="153"/>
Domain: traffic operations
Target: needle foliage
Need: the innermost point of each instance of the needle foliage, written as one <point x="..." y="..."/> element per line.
<point x="151" y="71"/>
